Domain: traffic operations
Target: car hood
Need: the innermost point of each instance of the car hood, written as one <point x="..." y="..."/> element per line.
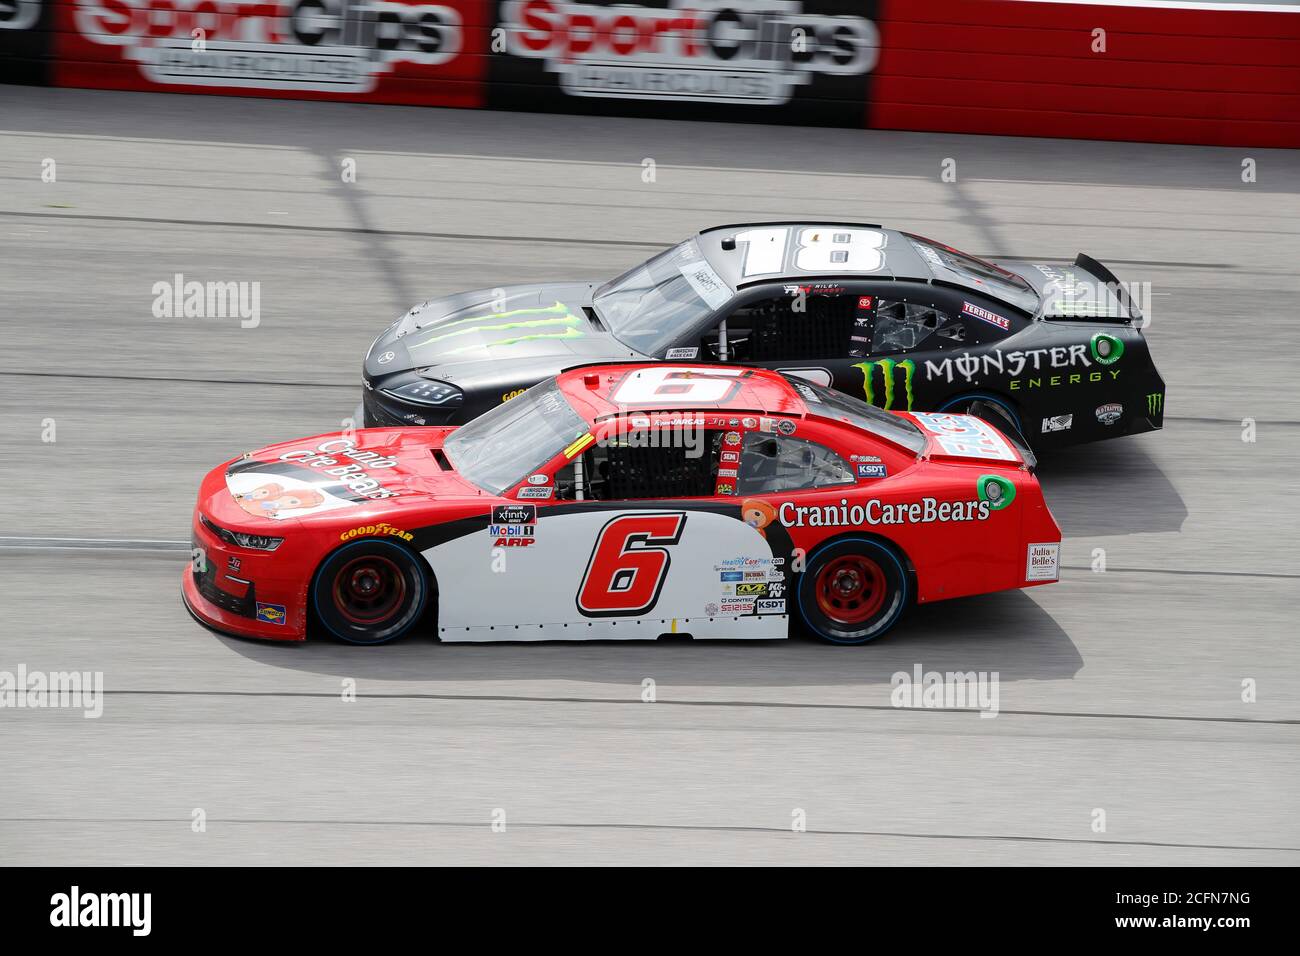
<point x="346" y="476"/>
<point x="459" y="336"/>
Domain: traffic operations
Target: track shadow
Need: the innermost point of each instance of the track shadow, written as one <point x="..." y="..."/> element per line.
<point x="1006" y="632"/>
<point x="1110" y="487"/>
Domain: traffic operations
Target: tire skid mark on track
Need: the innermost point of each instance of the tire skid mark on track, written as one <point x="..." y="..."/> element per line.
<point x="20" y="543"/>
<point x="553" y="240"/>
<point x="236" y="381"/>
<point x="345" y="230"/>
<point x="1184" y="571"/>
<point x="38" y="543"/>
<point x="661" y="192"/>
<point x="669" y="827"/>
<point x="771" y="704"/>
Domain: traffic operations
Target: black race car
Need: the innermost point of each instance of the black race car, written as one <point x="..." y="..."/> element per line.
<point x="1054" y="352"/>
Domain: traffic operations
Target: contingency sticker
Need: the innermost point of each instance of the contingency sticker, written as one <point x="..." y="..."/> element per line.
<point x="966" y="436"/>
<point x="1043" y="562"/>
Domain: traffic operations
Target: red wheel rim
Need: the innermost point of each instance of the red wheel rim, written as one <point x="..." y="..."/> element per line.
<point x="368" y="589"/>
<point x="851" y="589"/>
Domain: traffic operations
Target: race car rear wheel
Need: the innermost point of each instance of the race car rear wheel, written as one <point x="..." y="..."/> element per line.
<point x="993" y="409"/>
<point x="853" y="590"/>
<point x="370" y="592"/>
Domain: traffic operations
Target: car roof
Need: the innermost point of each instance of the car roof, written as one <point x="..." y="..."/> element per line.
<point x="901" y="260"/>
<point x="590" y="389"/>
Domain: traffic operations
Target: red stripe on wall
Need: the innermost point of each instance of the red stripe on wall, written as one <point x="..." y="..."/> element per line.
<point x="1028" y="69"/>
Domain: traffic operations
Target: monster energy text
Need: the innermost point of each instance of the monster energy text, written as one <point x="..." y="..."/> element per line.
<point x="1014" y="364"/>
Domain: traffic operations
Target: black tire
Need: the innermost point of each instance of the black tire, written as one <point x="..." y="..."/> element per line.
<point x="842" y="614"/>
<point x="370" y="592"/>
<point x="994" y="410"/>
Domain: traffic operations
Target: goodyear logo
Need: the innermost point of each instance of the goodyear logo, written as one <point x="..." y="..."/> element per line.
<point x="380" y="529"/>
<point x="270" y="613"/>
<point x="892" y="376"/>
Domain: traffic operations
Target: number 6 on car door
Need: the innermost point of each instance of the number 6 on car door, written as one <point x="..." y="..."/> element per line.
<point x="629" y="564"/>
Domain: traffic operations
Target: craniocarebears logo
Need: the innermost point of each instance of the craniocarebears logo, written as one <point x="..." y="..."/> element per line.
<point x="874" y="512"/>
<point x="323" y="45"/>
<point x="716" y="51"/>
<point x="334" y="474"/>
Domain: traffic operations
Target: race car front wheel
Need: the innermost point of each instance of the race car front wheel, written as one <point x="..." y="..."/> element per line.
<point x="852" y="590"/>
<point x="370" y="592"/>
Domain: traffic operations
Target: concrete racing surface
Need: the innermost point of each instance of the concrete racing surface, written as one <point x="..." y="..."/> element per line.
<point x="1120" y="691"/>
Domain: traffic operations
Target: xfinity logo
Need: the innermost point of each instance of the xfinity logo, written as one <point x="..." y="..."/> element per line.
<point x="74" y="909"/>
<point x="720" y="51"/>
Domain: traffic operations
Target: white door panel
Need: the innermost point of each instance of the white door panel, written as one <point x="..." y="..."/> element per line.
<point x="647" y="557"/>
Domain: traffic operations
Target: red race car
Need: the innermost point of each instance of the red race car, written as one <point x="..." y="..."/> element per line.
<point x="622" y="501"/>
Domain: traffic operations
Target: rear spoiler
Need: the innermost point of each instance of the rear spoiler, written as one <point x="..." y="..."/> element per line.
<point x="959" y="444"/>
<point x="1031" y="460"/>
<point x="1108" y="300"/>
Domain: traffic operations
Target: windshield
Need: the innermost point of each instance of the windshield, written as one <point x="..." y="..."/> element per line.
<point x="967" y="270"/>
<point x="845" y="408"/>
<point x="498" y="448"/>
<point x="654" y="304"/>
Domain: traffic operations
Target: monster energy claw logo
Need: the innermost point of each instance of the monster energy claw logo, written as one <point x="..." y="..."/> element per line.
<point x="1155" y="403"/>
<point x="518" y="325"/>
<point x="887" y="368"/>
